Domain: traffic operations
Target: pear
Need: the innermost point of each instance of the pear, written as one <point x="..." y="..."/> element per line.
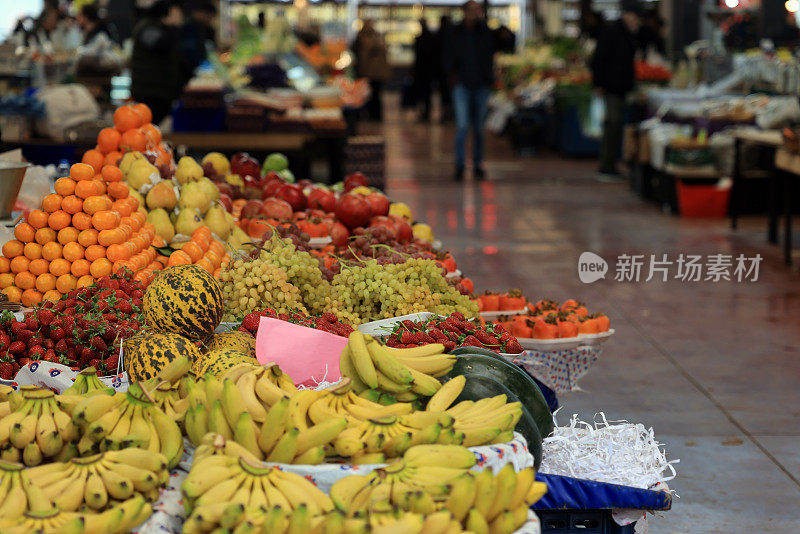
<point x="208" y="186"/>
<point x="234" y="179"/>
<point x="193" y="196"/>
<point x="215" y="219"/>
<point x="127" y="160"/>
<point x="142" y="173"/>
<point x="238" y="238"/>
<point x="135" y="194"/>
<point x="162" y="195"/>
<point x="188" y="221"/>
<point x="160" y="219"/>
<point x="220" y="163"/>
<point x="188" y="170"/>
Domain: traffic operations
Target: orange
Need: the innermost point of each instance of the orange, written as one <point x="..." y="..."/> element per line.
<point x="203" y="241"/>
<point x="122" y="264"/>
<point x="99" y="187"/>
<point x="96" y="203"/>
<point x="95" y="158"/>
<point x="193" y="250"/>
<point x="38" y="267"/>
<point x="6" y="279"/>
<point x="66" y="283"/>
<point x="82" y="221"/>
<point x="140" y="216"/>
<point x="81" y="171"/>
<point x="13" y="248"/>
<point x="155" y="266"/>
<point x="217" y="248"/>
<point x="112" y="158"/>
<point x="205" y="263"/>
<point x="215" y="260"/>
<point x="144" y="112"/>
<point x="5" y="264"/>
<point x="133" y="140"/>
<point x="127" y="117"/>
<point x="203" y="230"/>
<point x="72" y="252"/>
<point x="64" y="186"/>
<point x="158" y="241"/>
<point x="19" y="264"/>
<point x="105" y="220"/>
<point x="33" y="251"/>
<point x="80" y="268"/>
<point x="52" y="251"/>
<point x="144" y="276"/>
<point x="152" y="133"/>
<point x="108" y="140"/>
<point x="122" y="207"/>
<point x="85" y="281"/>
<point x="117" y="190"/>
<point x="24" y="232"/>
<point x="67" y="235"/>
<point x="53" y="295"/>
<point x="13" y="293"/>
<point x="85" y="189"/>
<point x="59" y="267"/>
<point x="30" y="298"/>
<point x="111" y="173"/>
<point x="117" y="252"/>
<point x="25" y="280"/>
<point x="100" y="267"/>
<point x="163" y="260"/>
<point x="45" y="282"/>
<point x="94" y="252"/>
<point x="59" y="219"/>
<point x="52" y="202"/>
<point x="179" y="257"/>
<point x="72" y="204"/>
<point x="37" y="218"/>
<point x="45" y="235"/>
<point x="111" y="237"/>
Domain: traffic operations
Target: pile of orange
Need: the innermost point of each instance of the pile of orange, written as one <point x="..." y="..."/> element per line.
<point x="89" y="228"/>
<point x="201" y="250"/>
<point x="132" y="131"/>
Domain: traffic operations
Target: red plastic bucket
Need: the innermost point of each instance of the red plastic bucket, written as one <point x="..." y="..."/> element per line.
<point x="703" y="201"/>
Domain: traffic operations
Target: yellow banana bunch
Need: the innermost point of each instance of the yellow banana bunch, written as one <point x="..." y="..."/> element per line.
<point x="223" y="479"/>
<point x="405" y="373"/>
<point x="235" y="517"/>
<point x="36" y="429"/>
<point x="125" y="420"/>
<point x="168" y="399"/>
<point x="87" y="383"/>
<point x="96" y="482"/>
<point x="344" y="402"/>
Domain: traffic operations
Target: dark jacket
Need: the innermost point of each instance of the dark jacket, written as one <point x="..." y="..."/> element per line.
<point x="155" y="61"/>
<point x="612" y="64"/>
<point x="469" y="56"/>
<point x="195" y="40"/>
<point x="426" y="60"/>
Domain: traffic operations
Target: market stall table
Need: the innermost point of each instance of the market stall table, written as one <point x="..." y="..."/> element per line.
<point x="788" y="166"/>
<point x="770" y="139"/>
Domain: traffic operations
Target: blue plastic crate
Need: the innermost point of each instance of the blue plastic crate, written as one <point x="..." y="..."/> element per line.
<point x="198" y="119"/>
<point x="581" y="522"/>
<point x="571" y="139"/>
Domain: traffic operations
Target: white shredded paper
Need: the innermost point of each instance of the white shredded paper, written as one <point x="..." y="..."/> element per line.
<point x="616" y="452"/>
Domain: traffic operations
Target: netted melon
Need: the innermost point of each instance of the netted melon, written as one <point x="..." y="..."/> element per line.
<point x="145" y="355"/>
<point x="235" y="339"/>
<point x="218" y="361"/>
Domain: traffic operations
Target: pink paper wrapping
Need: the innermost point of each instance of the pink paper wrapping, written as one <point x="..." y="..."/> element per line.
<point x="305" y="354"/>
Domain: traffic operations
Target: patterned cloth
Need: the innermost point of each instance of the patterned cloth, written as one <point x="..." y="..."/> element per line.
<point x="559" y="370"/>
<point x="58" y="377"/>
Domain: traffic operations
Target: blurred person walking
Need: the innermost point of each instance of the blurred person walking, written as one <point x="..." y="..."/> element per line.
<point x="469" y="66"/>
<point x="155" y="61"/>
<point x="426" y="64"/>
<point x="197" y="37"/>
<point x="613" y="78"/>
<point x="438" y="52"/>
<point x="371" y="63"/>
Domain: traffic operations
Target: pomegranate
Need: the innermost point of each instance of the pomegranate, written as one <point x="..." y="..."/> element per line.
<point x="353" y="210"/>
<point x="293" y="194"/>
<point x="339" y="234"/>
<point x="251" y="209"/>
<point x="354" y="180"/>
<point x="379" y="203"/>
<point x="321" y="198"/>
<point x="276" y="208"/>
<point x="385" y="222"/>
<point x="403" y="229"/>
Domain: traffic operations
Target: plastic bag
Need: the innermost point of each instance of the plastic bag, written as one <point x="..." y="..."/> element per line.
<point x="35" y="186"/>
<point x="597" y="115"/>
<point x="66" y="105"/>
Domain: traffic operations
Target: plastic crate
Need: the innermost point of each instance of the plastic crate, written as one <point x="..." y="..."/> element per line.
<point x="571" y="139"/>
<point x="702" y="201"/>
<point x="581" y="522"/>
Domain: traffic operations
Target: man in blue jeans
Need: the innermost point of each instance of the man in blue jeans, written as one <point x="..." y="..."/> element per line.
<point x="469" y="63"/>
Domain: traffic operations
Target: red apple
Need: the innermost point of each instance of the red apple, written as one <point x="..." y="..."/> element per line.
<point x="293" y="194"/>
<point x="321" y="198"/>
<point x="226" y="201"/>
<point x="270" y="187"/>
<point x="339" y="234"/>
<point x="246" y="166"/>
<point x="354" y="180"/>
<point x="379" y="203"/>
<point x="353" y="210"/>
<point x="251" y="209"/>
<point x="276" y="208"/>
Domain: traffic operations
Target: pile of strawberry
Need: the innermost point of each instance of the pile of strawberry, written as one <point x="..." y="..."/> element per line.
<point x="327" y="322"/>
<point x="83" y="329"/>
<point x="453" y="331"/>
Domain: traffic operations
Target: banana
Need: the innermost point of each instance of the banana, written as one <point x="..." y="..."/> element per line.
<point x="267" y="391"/>
<point x="174" y="370"/>
<point x="421" y="502"/>
<point x="423" y="350"/>
<point x="436" y="365"/>
<point x="479" y="436"/>
<point x="275" y="521"/>
<point x="284" y="382"/>
<point x="95" y="494"/>
<point x="105" y="522"/>
<point x="118" y="486"/>
<point x="47" y="436"/>
<point x="398" y="445"/>
<point x="426" y="435"/>
<point x="523" y="483"/>
<point x="246" y="386"/>
<point x="345" y="489"/>
<point x="258" y="497"/>
<point x="16" y="500"/>
<point x="32" y="454"/>
<point x="368" y="458"/>
<point x="91" y="408"/>
<point x="54" y="488"/>
<point x="139" y="431"/>
<point x="217" y="421"/>
<point x="388" y="364"/>
<point x="14" y="418"/>
<point x="142" y="479"/>
<point x="234" y="512"/>
<point x="299" y="404"/>
<point x="236" y="450"/>
<point x="72" y="495"/>
<point x="437" y="523"/>
<point x="232" y="402"/>
<point x="424" y="384"/>
<point x="139" y="458"/>
<point x="504" y="437"/>
<point x="274" y="425"/>
<point x="362" y="362"/>
<point x="299" y="522"/>
<point x="309" y="490"/>
<point x="99" y="428"/>
<point x="197" y="484"/>
<point x="234" y="373"/>
<point x="505" y="486"/>
<point x="388" y="385"/>
<point x="286" y="448"/>
<point x="64" y="425"/>
<point x="121" y="429"/>
<point x="221" y="492"/>
<point x="348" y="446"/>
<point x="502" y="524"/>
<point x="536" y="491"/>
<point x="169" y="436"/>
<point x="484" y="493"/>
<point x="196" y="424"/>
<point x="423" y="419"/>
<point x="447" y="394"/>
<point x="313" y="456"/>
<point x="245" y="433"/>
<point x="213" y="388"/>
<point x="348" y="370"/>
<point x="520" y="515"/>
<point x="320" y="434"/>
<point x="476" y="523"/>
<point x="24" y="432"/>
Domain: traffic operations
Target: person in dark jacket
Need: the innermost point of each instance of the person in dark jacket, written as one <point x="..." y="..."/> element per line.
<point x="197" y="37"/>
<point x="425" y="66"/>
<point x="613" y="78"/>
<point x="439" y="39"/>
<point x="155" y="61"/>
<point x="470" y="70"/>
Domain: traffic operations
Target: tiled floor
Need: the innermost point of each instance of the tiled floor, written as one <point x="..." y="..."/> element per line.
<point x="714" y="368"/>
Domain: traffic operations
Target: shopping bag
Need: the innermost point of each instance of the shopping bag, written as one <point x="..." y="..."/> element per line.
<point x="597" y="115"/>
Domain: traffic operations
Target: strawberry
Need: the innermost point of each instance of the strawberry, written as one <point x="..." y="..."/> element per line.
<point x="137" y="294"/>
<point x="251" y="322"/>
<point x="24" y="335"/>
<point x="94" y="363"/>
<point x="86" y="355"/>
<point x="471" y="340"/>
<point x="6" y="370"/>
<point x="512" y="347"/>
<point x="5" y="339"/>
<point x="331" y="318"/>
<point x="16" y="328"/>
<point x="57" y="334"/>
<point x="36" y="353"/>
<point x="99" y="345"/>
<point x="50" y="356"/>
<point x="449" y="345"/>
<point x="48" y="343"/>
<point x="24" y="361"/>
<point x="46" y="317"/>
<point x="112" y="362"/>
<point x="62" y="348"/>
<point x="458" y="316"/>
<point x="485" y="338"/>
<point x="17" y="348"/>
<point x="409" y="325"/>
<point x="407" y="337"/>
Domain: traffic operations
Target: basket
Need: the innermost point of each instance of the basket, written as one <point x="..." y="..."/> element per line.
<point x="702" y="201"/>
<point x="581" y="522"/>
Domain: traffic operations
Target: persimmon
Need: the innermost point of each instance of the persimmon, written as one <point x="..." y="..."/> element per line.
<point x="6" y="279"/>
<point x="117" y="190"/>
<point x="24" y="232"/>
<point x="45" y="282"/>
<point x="30" y="298"/>
<point x="64" y="186"/>
<point x="72" y="204"/>
<point x="108" y="140"/>
<point x="112" y="158"/>
<point x="588" y="325"/>
<point x="80" y="268"/>
<point x="126" y="118"/>
<point x="133" y="140"/>
<point x="52" y="251"/>
<point x="72" y="252"/>
<point x="25" y="280"/>
<point x="84" y="281"/>
<point x="95" y="204"/>
<point x="59" y="220"/>
<point x="5" y="264"/>
<point x="81" y="171"/>
<point x="120" y="265"/>
<point x="59" y="267"/>
<point x="53" y="295"/>
<point x="82" y="221"/>
<point x="45" y="235"/>
<point x="37" y="218"/>
<point x="144" y="112"/>
<point x="179" y="257"/>
<point x="32" y="251"/>
<point x="105" y="220"/>
<point x="567" y="329"/>
<point x="13" y="293"/>
<point x="94" y="158"/>
<point x="37" y="267"/>
<point x="122" y="207"/>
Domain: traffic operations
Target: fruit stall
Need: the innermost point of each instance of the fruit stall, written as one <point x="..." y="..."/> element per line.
<point x="215" y="346"/>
